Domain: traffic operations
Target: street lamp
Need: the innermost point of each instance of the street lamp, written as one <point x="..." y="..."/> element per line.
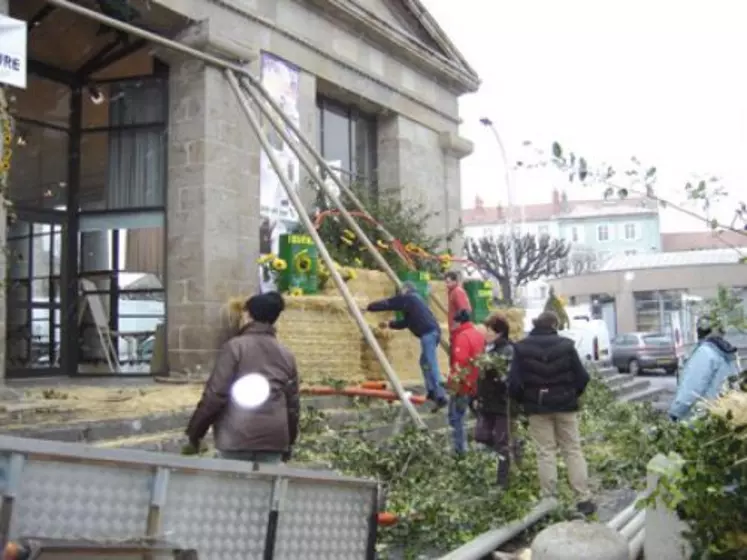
<point x="486" y="122"/>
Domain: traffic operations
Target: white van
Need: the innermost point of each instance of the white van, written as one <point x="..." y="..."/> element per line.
<point x="592" y="338"/>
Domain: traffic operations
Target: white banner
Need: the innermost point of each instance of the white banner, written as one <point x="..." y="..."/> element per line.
<point x="280" y="79"/>
<point x="13" y="35"/>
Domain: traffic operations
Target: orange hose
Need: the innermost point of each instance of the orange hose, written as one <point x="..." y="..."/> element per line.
<point x="359" y="392"/>
<point x="373" y="385"/>
<point x="386" y="519"/>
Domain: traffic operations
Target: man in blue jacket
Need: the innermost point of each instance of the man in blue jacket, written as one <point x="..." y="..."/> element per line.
<point x="419" y="319"/>
<point x="710" y="365"/>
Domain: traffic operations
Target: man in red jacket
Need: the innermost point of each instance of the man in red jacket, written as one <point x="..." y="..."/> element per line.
<point x="466" y="345"/>
<point x="458" y="299"/>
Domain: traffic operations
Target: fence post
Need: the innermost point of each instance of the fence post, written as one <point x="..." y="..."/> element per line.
<point x="579" y="540"/>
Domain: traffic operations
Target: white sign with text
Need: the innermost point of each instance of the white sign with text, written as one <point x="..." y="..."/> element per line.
<point x="13" y="35"/>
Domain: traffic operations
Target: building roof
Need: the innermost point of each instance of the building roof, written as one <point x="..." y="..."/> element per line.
<point x="698" y="240"/>
<point x="675" y="259"/>
<point x="557" y="210"/>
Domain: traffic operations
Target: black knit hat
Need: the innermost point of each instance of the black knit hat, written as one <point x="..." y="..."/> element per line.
<point x="265" y="308"/>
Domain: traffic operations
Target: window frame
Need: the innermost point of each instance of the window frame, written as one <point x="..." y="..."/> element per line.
<point x="606" y="229"/>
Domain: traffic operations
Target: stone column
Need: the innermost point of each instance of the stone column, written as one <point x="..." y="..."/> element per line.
<point x="422" y="166"/>
<point x="212" y="202"/>
<point x="455" y="148"/>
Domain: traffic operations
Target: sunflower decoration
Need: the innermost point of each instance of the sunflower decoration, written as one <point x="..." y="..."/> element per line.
<point x="381" y="245"/>
<point x="302" y="262"/>
<point x="445" y="261"/>
<point x="279" y="265"/>
<point x="295" y="291"/>
<point x="358" y="262"/>
<point x="348" y="237"/>
<point x="348" y="274"/>
<point x="265" y="259"/>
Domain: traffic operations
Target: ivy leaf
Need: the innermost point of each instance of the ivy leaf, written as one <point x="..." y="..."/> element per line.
<point x="702" y="186"/>
<point x="663" y="203"/>
<point x="688" y="186"/>
<point x="650" y="172"/>
<point x="557" y="151"/>
<point x="713" y="224"/>
<point x="608" y="192"/>
<point x="622" y="193"/>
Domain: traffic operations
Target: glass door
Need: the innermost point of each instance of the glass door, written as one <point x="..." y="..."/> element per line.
<point x="34" y="293"/>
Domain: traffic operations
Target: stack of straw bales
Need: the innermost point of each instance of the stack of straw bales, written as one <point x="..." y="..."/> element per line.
<point x="327" y="343"/>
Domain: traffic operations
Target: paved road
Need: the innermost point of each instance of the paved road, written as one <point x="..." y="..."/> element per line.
<point x="668" y="384"/>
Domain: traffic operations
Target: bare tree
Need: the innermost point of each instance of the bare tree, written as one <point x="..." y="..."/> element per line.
<point x="537" y="256"/>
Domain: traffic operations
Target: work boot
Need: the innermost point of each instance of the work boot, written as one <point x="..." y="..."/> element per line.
<point x="440" y="403"/>
<point x="586" y="508"/>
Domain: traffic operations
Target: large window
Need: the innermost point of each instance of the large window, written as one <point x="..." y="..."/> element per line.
<point x="347" y="141"/>
<point x="121" y="258"/>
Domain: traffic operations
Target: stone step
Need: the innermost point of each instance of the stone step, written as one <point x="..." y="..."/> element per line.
<point x="650" y="394"/>
<point x="618" y="379"/>
<point x="630" y="387"/>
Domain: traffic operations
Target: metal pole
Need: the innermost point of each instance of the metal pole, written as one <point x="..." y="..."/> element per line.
<point x="509" y="207"/>
<point x="326" y="257"/>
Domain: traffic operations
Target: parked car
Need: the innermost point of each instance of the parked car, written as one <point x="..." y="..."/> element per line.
<point x="637" y="352"/>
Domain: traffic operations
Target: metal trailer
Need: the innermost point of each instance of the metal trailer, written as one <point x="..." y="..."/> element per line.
<point x="69" y="500"/>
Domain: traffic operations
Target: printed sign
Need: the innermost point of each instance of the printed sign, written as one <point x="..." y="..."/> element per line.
<point x="13" y="36"/>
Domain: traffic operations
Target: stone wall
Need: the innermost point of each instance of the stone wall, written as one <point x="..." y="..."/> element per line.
<point x="3" y="238"/>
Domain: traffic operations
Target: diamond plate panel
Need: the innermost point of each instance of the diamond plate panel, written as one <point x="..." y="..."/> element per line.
<point x="321" y="521"/>
<point x="74" y="500"/>
<point x="223" y="517"/>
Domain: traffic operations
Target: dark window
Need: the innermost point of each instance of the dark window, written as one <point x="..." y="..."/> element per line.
<point x="347" y="141"/>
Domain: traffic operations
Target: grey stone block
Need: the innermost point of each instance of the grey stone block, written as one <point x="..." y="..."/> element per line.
<point x="578" y="540"/>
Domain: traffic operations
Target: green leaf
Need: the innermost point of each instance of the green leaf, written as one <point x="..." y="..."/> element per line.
<point x="742" y="260"/>
<point x="622" y="193"/>
<point x="608" y="192"/>
<point x="713" y="223"/>
<point x="688" y="186"/>
<point x="702" y="185"/>
<point x="557" y="150"/>
<point x="650" y="172"/>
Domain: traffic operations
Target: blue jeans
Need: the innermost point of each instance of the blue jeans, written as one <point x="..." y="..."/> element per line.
<point x="429" y="364"/>
<point x="457" y="409"/>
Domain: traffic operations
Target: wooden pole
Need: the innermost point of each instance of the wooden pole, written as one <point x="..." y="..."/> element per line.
<point x="324" y="253"/>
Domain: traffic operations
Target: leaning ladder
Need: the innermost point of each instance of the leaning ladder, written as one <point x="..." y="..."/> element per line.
<point x="236" y="76"/>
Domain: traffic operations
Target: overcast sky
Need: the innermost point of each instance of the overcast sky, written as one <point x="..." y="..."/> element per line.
<point x="662" y="80"/>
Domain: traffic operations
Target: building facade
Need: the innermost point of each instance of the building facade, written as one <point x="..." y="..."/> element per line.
<point x="136" y="177"/>
<point x="656" y="292"/>
<point x="596" y="230"/>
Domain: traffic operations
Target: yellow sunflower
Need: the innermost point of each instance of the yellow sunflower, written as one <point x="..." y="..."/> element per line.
<point x="303" y="262"/>
<point x="279" y="265"/>
<point x="295" y="292"/>
<point x="381" y="245"/>
<point x="264" y="259"/>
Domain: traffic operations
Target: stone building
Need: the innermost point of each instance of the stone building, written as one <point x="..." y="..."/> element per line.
<point x="136" y="178"/>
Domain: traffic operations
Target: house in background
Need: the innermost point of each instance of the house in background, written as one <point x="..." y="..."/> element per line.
<point x="596" y="229"/>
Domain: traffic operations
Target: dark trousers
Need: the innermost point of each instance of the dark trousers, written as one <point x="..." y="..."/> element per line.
<point x="495" y="431"/>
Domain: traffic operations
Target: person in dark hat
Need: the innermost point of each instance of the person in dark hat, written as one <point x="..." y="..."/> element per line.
<point x="420" y="320"/>
<point x="547" y="378"/>
<point x="708" y="369"/>
<point x="265" y="432"/>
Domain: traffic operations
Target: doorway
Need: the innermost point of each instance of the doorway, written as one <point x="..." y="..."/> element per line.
<point x="35" y="294"/>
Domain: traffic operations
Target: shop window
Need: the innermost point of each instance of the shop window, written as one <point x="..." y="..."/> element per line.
<point x="121" y="272"/>
<point x="123" y="149"/>
<point x="38" y="174"/>
<point x="347" y="141"/>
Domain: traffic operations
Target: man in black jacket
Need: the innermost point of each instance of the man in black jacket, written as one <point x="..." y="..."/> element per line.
<point x="419" y="319"/>
<point x="547" y="378"/>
